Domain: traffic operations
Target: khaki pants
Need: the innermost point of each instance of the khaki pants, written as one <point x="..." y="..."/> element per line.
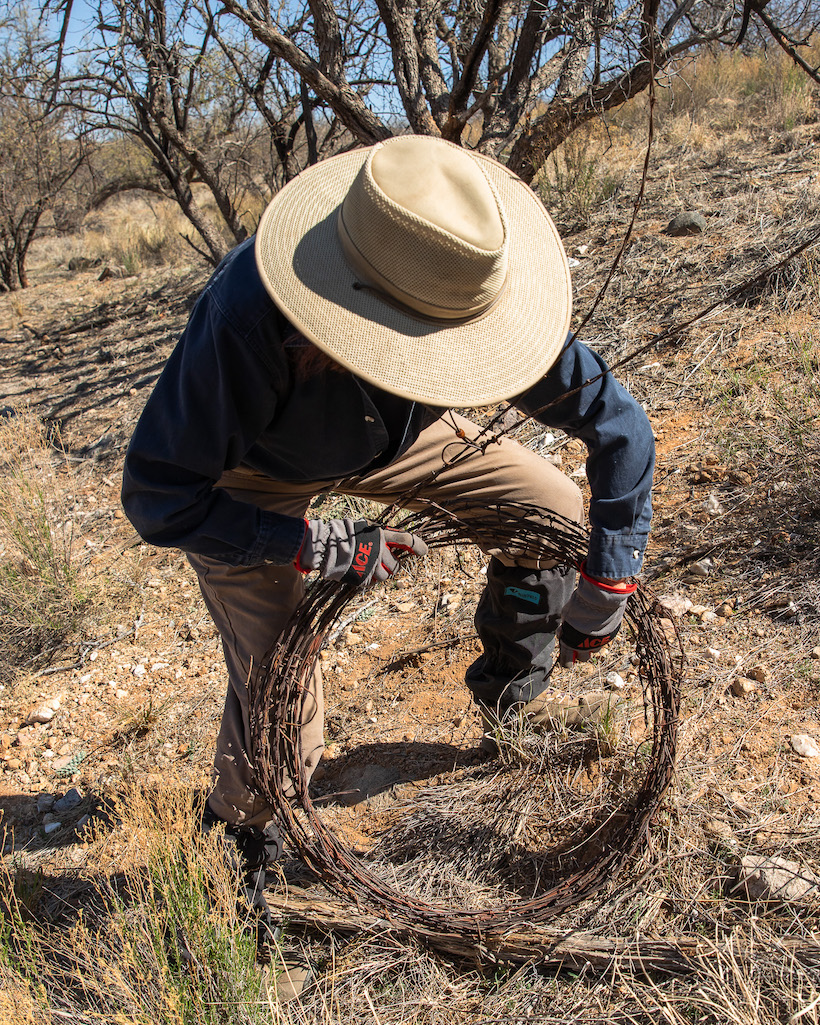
<point x="251" y="604"/>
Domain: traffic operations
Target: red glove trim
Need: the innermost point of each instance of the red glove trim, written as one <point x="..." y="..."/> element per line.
<point x="612" y="588"/>
<point x="296" y="562"/>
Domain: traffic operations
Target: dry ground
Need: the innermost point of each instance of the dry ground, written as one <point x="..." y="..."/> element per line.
<point x="734" y="555"/>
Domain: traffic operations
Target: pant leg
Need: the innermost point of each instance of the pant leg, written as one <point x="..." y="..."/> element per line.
<point x="520" y="608"/>
<point x="516" y="619"/>
<point x="250" y="606"/>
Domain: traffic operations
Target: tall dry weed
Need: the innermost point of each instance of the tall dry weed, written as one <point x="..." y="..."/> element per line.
<point x="41" y="597"/>
<point x="158" y="936"/>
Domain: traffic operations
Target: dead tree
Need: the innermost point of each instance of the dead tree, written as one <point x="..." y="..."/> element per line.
<point x="513" y="78"/>
<point x="153" y="71"/>
<point x="39" y="152"/>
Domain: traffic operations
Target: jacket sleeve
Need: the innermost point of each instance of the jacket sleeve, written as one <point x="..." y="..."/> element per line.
<point x="216" y="394"/>
<point x="580" y="396"/>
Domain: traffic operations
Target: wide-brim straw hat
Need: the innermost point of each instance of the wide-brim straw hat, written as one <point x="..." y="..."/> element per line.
<point x="431" y="272"/>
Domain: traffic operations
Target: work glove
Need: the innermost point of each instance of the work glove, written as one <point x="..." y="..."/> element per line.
<point x="591" y="618"/>
<point x="354" y="551"/>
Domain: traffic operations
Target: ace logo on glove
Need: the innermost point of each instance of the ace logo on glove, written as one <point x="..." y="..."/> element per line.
<point x="354" y="551"/>
<point x="362" y="560"/>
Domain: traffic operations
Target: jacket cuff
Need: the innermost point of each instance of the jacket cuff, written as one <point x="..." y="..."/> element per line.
<point x="615" y="556"/>
<point x="278" y="540"/>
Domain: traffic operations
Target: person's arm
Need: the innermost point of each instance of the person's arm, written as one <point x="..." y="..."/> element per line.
<point x="218" y="391"/>
<point x="621" y="457"/>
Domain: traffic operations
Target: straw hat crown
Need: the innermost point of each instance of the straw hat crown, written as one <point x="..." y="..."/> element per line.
<point x="425" y="225"/>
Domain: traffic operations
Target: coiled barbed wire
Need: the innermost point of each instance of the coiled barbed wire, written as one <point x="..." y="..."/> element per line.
<point x="280" y="689"/>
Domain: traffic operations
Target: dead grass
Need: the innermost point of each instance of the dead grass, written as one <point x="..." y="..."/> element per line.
<point x="42" y="596"/>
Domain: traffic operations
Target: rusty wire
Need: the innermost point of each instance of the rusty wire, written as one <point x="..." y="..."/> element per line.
<point x="280" y="689"/>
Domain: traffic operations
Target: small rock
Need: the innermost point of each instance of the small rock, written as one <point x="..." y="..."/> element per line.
<point x="510" y="418"/>
<point x="815" y="652"/>
<point x="742" y="688"/>
<point x="14" y="763"/>
<point x="714" y="654"/>
<point x="805" y="746"/>
<point x="41" y="714"/>
<point x="712" y="506"/>
<point x="758" y="673"/>
<point x="676" y="605"/>
<point x="120" y="693"/>
<point x="761" y="878"/>
<point x="690" y="222"/>
<point x="722" y="831"/>
<point x="45" y="802"/>
<point x="615" y="681"/>
<point x="68" y="801"/>
<point x="52" y="827"/>
<point x="405" y="606"/>
<point x="724" y="611"/>
<point x="702" y="568"/>
<point x="139" y="670"/>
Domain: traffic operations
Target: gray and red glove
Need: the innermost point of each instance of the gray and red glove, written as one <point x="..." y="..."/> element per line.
<point x="591" y="618"/>
<point x="354" y="551"/>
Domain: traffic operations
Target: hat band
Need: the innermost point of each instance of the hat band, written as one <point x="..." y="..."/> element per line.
<point x="390" y="293"/>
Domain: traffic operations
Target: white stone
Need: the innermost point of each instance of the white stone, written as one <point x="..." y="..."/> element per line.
<point x="714" y="654"/>
<point x="42" y="714"/>
<point x="52" y="827"/>
<point x="805" y="746"/>
<point x="764" y="878"/>
<point x="120" y="693"/>
<point x="675" y="604"/>
<point x="615" y="680"/>
<point x="139" y="670"/>
<point x="713" y="506"/>
<point x="742" y="688"/>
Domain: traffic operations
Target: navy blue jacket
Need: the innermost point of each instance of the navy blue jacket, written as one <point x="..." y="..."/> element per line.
<point x="228" y="397"/>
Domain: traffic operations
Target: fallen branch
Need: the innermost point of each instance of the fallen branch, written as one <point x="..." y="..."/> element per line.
<point x="538" y="944"/>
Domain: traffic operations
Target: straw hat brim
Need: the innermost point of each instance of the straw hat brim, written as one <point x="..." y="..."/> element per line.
<point x="486" y="360"/>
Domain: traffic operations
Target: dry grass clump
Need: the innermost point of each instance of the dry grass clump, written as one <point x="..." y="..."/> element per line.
<point x="135" y="234"/>
<point x="42" y="595"/>
<point x="158" y="936"/>
<point x="505" y="831"/>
